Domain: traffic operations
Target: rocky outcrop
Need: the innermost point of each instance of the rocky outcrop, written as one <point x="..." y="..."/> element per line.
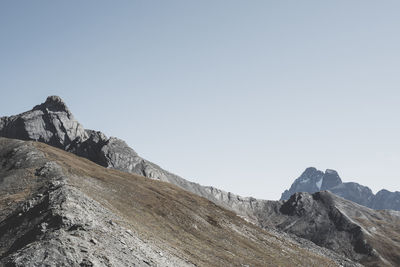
<point x="50" y="122"/>
<point x="340" y="225"/>
<point x="313" y="180"/>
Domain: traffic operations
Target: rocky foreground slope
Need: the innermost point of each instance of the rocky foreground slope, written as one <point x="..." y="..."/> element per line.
<point x="313" y="180"/>
<point x="61" y="210"/>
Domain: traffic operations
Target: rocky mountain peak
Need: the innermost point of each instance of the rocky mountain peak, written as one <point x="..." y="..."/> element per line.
<point x="54" y="99"/>
<point x="385" y="199"/>
<point x="313" y="180"/>
<point x="331" y="179"/>
<point x="330" y="171"/>
<point x="310" y="171"/>
<point x="309" y="181"/>
<point x="52" y="123"/>
<point x="54" y="104"/>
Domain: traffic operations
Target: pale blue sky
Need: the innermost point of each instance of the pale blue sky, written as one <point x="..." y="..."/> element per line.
<point x="241" y="95"/>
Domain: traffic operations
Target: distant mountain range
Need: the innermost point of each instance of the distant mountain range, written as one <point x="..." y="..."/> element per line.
<point x="313" y="180"/>
<point x="349" y="232"/>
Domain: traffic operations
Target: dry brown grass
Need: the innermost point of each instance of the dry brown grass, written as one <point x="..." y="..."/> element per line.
<point x="16" y="184"/>
<point x="185" y="224"/>
<point x="384" y="237"/>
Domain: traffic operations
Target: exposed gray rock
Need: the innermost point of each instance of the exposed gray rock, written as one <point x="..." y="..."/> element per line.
<point x="309" y="181"/>
<point x="331" y="179"/>
<point x="313" y="180"/>
<point x="335" y="223"/>
<point x="354" y="192"/>
<point x="50" y="122"/>
<point x="385" y="199"/>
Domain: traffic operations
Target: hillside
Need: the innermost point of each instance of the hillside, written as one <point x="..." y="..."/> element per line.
<point x="69" y="211"/>
<point x="371" y="237"/>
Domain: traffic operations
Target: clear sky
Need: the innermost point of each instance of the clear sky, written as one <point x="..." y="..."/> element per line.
<point x="241" y="95"/>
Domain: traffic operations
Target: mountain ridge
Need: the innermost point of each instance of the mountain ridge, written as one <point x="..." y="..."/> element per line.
<point x="338" y="224"/>
<point x="77" y="213"/>
<point x="52" y="123"/>
<point x="313" y="180"/>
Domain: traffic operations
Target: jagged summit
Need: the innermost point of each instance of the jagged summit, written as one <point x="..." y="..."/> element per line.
<point x="55" y="100"/>
<point x="50" y="122"/>
<point x="53" y="123"/>
<point x="54" y="104"/>
<point x="331" y="179"/>
<point x="310" y="171"/>
<point x="313" y="180"/>
<point x="309" y="181"/>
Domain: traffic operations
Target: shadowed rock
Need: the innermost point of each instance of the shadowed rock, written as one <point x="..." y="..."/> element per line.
<point x="362" y="234"/>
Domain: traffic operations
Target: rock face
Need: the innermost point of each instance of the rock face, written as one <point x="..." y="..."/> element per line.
<point x="371" y="237"/>
<point x="386" y="200"/>
<point x="313" y="180"/>
<point x="50" y="122"/>
<point x="60" y="210"/>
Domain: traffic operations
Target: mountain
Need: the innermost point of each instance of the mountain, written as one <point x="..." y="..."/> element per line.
<point x="117" y="190"/>
<point x="57" y="209"/>
<point x="53" y="123"/>
<point x="313" y="180"/>
<point x="385" y="199"/>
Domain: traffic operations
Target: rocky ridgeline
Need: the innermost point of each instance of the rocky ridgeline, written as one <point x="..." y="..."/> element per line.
<point x="313" y="180"/>
<point x="65" y="219"/>
<point x="320" y="218"/>
<point x="369" y="236"/>
<point x="53" y="123"/>
<point x="56" y="224"/>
